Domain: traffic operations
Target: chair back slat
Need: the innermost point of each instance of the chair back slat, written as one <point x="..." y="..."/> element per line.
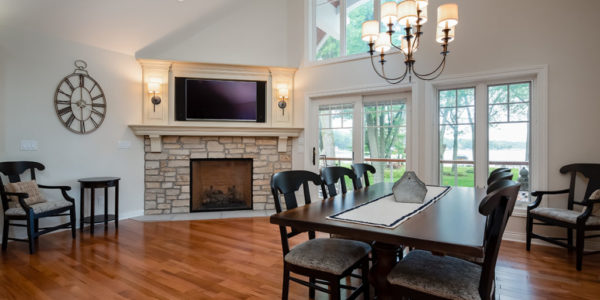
<point x="288" y="183"/>
<point x="499" y="170"/>
<point x="360" y="171"/>
<point x="331" y="175"/>
<point x="497" y="206"/>
<point x="590" y="171"/>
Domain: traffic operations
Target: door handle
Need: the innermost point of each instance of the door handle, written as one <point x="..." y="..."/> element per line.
<point x="314" y="156"/>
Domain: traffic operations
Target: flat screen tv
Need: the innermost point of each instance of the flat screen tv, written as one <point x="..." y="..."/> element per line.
<point x="198" y="99"/>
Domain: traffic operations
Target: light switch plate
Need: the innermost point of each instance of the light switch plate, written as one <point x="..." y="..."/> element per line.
<point x="29" y="145"/>
<point x="124" y="144"/>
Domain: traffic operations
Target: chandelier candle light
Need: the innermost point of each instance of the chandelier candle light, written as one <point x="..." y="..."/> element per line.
<point x="411" y="15"/>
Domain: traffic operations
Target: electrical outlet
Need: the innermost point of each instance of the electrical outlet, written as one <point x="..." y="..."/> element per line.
<point x="29" y="145"/>
<point x="124" y="144"/>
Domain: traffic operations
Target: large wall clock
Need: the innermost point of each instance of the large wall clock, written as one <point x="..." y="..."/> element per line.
<point x="79" y="101"/>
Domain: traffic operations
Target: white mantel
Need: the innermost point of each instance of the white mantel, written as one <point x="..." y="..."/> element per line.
<point x="160" y="120"/>
<point x="155" y="133"/>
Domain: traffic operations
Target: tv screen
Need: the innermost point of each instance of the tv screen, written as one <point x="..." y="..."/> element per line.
<point x="219" y="100"/>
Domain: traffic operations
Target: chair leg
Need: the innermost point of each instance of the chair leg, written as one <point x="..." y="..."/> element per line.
<point x="73" y="222"/>
<point x="365" y="279"/>
<point x="36" y="226"/>
<point x="570" y="239"/>
<point x="311" y="290"/>
<point x="5" y="234"/>
<point x="286" y="284"/>
<point x="31" y="234"/>
<point x="579" y="247"/>
<point x="334" y="288"/>
<point x="528" y="230"/>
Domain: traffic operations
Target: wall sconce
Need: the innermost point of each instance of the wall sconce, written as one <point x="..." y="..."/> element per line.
<point x="283" y="95"/>
<point x="154" y="88"/>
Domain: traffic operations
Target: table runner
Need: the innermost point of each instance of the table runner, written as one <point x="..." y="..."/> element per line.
<point x="386" y="212"/>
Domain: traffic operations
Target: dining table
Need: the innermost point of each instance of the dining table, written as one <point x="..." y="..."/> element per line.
<point x="452" y="225"/>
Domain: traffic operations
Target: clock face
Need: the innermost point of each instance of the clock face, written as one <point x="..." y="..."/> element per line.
<point x="80" y="103"/>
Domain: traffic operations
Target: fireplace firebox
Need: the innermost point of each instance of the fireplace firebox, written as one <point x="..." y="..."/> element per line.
<point x="220" y="184"/>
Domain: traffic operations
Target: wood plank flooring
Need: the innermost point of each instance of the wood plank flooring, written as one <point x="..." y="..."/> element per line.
<point x="229" y="259"/>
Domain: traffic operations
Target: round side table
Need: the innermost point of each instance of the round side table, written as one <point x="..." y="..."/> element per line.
<point x="93" y="183"/>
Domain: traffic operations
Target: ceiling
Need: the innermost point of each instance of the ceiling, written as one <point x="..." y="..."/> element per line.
<point x="124" y="26"/>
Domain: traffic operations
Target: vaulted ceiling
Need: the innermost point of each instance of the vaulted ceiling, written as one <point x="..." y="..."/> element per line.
<point x="116" y="25"/>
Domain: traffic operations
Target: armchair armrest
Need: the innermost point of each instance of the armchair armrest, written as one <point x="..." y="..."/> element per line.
<point x="540" y="194"/>
<point x="63" y="190"/>
<point x="21" y="197"/>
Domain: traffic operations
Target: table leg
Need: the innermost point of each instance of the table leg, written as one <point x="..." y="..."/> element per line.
<point x="81" y="216"/>
<point x="117" y="205"/>
<point x="92" y="214"/>
<point x="105" y="207"/>
<point x="386" y="260"/>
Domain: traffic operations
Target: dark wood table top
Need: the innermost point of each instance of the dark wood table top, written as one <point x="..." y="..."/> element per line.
<point x="99" y="179"/>
<point x="452" y="225"/>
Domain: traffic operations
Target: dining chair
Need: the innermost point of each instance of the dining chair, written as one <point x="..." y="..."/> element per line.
<point x="581" y="221"/>
<point x="502" y="175"/>
<point x="422" y="275"/>
<point x="331" y="175"/>
<point x="324" y="261"/>
<point x="499" y="170"/>
<point x="22" y="201"/>
<point x="362" y="170"/>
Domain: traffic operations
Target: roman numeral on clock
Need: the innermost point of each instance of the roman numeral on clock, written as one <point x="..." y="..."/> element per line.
<point x="94" y="111"/>
<point x="64" y="111"/>
<point x="99" y="105"/>
<point x="61" y="92"/>
<point x="70" y="84"/>
<point x="82" y="126"/>
<point x="70" y="120"/>
<point x="64" y="102"/>
<point x="97" y="97"/>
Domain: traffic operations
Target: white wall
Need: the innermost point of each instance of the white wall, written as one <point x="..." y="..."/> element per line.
<point x="251" y="33"/>
<point x="32" y="66"/>
<point x="500" y="35"/>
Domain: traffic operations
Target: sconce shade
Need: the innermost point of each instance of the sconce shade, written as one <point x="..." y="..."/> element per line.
<point x="407" y="12"/>
<point x="422" y="4"/>
<point x="448" y="15"/>
<point x="388" y="13"/>
<point x="284" y="92"/>
<point x="383" y="43"/>
<point x="154" y="86"/>
<point x="370" y="31"/>
<point x="439" y="35"/>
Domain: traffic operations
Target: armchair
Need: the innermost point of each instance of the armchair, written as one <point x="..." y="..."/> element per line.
<point x="580" y="221"/>
<point x="31" y="213"/>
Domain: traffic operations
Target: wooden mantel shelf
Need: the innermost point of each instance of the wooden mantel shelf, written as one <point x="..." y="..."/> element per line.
<point x="155" y="132"/>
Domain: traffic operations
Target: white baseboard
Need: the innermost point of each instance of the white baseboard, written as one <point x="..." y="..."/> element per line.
<point x="131" y="214"/>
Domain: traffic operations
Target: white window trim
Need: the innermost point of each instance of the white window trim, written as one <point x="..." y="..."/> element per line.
<point x="311" y="21"/>
<point x="539" y="121"/>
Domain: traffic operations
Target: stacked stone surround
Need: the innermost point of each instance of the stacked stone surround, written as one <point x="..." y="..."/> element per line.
<point x="167" y="174"/>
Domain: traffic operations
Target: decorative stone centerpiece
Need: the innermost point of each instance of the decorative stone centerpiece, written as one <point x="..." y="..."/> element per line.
<point x="409" y="189"/>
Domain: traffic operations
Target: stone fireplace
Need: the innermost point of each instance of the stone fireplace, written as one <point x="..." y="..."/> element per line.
<point x="221" y="184"/>
<point x="168" y="173"/>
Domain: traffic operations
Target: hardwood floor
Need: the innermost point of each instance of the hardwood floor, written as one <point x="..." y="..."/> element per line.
<point x="229" y="259"/>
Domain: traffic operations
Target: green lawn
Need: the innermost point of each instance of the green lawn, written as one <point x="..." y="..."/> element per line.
<point x="464" y="175"/>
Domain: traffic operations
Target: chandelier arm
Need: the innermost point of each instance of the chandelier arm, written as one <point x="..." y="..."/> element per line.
<point x="397" y="79"/>
<point x="442" y="63"/>
<point x="422" y="77"/>
<point x="382" y="75"/>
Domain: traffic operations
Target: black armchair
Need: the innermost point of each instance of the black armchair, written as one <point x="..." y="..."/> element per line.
<point x="568" y="218"/>
<point x="32" y="213"/>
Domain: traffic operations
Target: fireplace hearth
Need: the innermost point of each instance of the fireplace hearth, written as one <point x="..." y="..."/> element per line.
<point x="221" y="184"/>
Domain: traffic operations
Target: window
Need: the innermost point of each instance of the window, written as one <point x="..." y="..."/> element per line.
<point x="335" y="134"/>
<point x="385" y="139"/>
<point x="509" y="130"/>
<point x="507" y="108"/>
<point x="457" y="140"/>
<point x="337" y="26"/>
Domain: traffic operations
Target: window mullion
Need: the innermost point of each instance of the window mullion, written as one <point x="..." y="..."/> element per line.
<point x="343" y="51"/>
<point x="481" y="135"/>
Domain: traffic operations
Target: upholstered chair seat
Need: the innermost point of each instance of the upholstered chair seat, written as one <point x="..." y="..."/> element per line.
<point x="333" y="256"/>
<point x="39" y="207"/>
<point x="564" y="215"/>
<point x="442" y="276"/>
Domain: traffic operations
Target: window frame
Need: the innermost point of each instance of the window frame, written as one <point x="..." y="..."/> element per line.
<point x="537" y="75"/>
<point x="312" y="37"/>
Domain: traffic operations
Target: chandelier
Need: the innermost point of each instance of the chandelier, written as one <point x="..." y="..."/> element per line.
<point x="411" y="15"/>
